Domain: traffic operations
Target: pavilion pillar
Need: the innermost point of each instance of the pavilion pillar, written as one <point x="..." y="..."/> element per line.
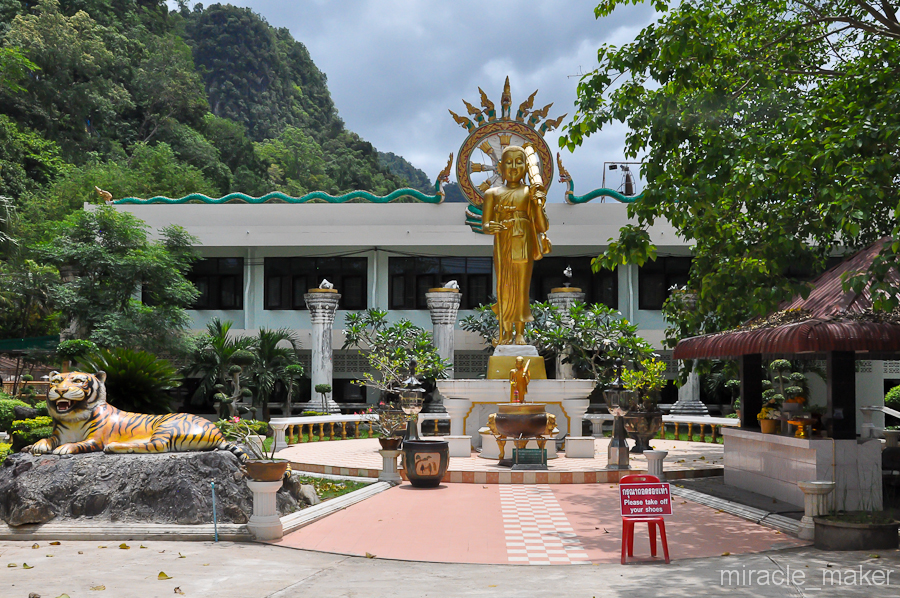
<point x="840" y="367"/>
<point x="751" y="390"/>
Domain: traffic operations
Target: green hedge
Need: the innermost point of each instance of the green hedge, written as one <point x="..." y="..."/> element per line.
<point x="26" y="432"/>
<point x="7" y="413"/>
<point x="892" y="398"/>
<point x="5" y="449"/>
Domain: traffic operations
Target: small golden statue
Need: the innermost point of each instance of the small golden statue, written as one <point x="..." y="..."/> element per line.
<point x="514" y="214"/>
<point x="519" y="377"/>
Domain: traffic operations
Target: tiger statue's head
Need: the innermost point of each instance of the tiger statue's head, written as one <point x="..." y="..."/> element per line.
<point x="72" y="396"/>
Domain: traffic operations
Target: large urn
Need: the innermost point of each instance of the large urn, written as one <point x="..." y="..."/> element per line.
<point x="642" y="426"/>
<point x="521" y="420"/>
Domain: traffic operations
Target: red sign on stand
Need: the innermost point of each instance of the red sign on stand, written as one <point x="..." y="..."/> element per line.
<point x="645" y="500"/>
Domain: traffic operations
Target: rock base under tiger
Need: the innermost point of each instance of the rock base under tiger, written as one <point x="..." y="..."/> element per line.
<point x="169" y="488"/>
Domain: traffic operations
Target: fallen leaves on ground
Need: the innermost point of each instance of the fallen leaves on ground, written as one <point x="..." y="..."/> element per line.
<point x="178" y="591"/>
<point x="181" y="556"/>
<point x="369" y="555"/>
<point x="99" y="588"/>
<point x="162" y="575"/>
<point x="12" y="565"/>
<point x="54" y="543"/>
<point x="27" y="566"/>
<point x="124" y="546"/>
<point x="35" y="546"/>
<point x="726" y="554"/>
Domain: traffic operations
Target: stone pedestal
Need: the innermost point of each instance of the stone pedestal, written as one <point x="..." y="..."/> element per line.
<point x="460" y="446"/>
<point x="322" y="304"/>
<point x="574" y="410"/>
<point x="815" y="504"/>
<point x="443" y="304"/>
<point x="655" y="463"/>
<point x="891" y="438"/>
<point x="563" y="298"/>
<point x="867" y="428"/>
<point x="457" y="409"/>
<point x="265" y="524"/>
<point x="490" y="449"/>
<point x="389" y="471"/>
<point x="580" y="447"/>
<point x="689" y="402"/>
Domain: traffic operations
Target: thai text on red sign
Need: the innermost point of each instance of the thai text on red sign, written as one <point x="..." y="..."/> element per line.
<point x="645" y="499"/>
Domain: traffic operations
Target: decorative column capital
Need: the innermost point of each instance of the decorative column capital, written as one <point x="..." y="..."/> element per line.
<point x="322" y="305"/>
<point x="443" y="305"/>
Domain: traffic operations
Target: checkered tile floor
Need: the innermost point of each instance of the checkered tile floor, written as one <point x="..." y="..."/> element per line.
<point x="536" y="528"/>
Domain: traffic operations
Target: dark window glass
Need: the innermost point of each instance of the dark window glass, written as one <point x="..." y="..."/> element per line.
<point x="220" y="281"/>
<point x="655" y="279"/>
<point x="602" y="287"/>
<point x="290" y="278"/>
<point x="411" y="278"/>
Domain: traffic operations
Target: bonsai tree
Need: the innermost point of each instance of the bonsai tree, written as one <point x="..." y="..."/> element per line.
<point x="323" y="389"/>
<point x="647" y="379"/>
<point x="390" y="349"/>
<point x="73" y="349"/>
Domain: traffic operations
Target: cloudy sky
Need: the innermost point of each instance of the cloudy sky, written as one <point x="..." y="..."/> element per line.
<point x="395" y="67"/>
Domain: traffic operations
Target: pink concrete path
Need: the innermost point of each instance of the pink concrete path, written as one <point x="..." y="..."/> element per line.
<point x="562" y="524"/>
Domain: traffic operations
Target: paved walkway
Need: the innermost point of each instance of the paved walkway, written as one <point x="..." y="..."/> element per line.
<point x="530" y="525"/>
<point x="359" y="457"/>
<point x="227" y="570"/>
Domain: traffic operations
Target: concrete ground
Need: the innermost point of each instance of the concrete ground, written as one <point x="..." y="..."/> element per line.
<point x="227" y="570"/>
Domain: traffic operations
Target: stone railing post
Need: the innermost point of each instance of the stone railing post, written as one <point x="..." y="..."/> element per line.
<point x="655" y="463"/>
<point x="444" y="305"/>
<point x="563" y="298"/>
<point x="322" y="304"/>
<point x="264" y="523"/>
<point x="457" y="409"/>
<point x="815" y="503"/>
<point x="280" y="439"/>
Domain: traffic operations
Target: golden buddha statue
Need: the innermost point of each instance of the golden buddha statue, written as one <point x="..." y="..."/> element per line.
<point x="519" y="377"/>
<point x="514" y="214"/>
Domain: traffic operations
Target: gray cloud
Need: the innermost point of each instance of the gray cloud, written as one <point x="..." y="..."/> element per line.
<point x="395" y="67"/>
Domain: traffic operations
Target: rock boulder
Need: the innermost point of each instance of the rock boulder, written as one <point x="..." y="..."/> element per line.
<point x="167" y="488"/>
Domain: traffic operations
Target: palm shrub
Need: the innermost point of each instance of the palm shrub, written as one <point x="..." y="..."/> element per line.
<point x="212" y="359"/>
<point x="136" y="381"/>
<point x="274" y="351"/>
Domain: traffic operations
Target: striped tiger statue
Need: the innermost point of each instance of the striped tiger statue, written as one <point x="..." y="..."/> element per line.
<point x="83" y="422"/>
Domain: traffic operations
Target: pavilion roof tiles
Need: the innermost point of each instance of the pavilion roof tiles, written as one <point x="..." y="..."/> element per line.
<point x="829" y="319"/>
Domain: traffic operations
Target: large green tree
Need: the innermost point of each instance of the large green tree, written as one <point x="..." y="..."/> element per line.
<point x="120" y="288"/>
<point x="770" y="134"/>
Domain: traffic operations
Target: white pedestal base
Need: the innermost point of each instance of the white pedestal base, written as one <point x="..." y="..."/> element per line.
<point x="265" y="524"/>
<point x="580" y="447"/>
<point x="460" y="446"/>
<point x="815" y="503"/>
<point x="655" y="463"/>
<point x="389" y="472"/>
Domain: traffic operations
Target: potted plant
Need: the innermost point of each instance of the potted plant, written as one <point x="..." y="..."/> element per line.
<point x="768" y="417"/>
<point x="643" y="419"/>
<point x="388" y="423"/>
<point x="261" y="465"/>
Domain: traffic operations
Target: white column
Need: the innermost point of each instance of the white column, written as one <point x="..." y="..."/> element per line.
<point x="563" y="299"/>
<point x="389" y="471"/>
<point x="575" y="408"/>
<point x="815" y="503"/>
<point x="655" y="463"/>
<point x="444" y="305"/>
<point x="265" y="524"/>
<point x="322" y="304"/>
<point x="457" y="409"/>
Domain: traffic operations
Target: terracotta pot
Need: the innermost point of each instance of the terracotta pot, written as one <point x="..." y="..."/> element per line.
<point x="769" y="426"/>
<point x="266" y="471"/>
<point x="426" y="461"/>
<point x="391" y="443"/>
<point x="521" y="419"/>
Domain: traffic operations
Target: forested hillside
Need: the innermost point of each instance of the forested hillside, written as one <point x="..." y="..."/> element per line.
<point x="143" y="101"/>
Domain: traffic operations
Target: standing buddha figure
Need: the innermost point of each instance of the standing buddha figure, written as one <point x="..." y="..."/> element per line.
<point x="514" y="214"/>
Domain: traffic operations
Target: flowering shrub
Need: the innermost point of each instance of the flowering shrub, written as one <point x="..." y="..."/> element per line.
<point x="769" y="413"/>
